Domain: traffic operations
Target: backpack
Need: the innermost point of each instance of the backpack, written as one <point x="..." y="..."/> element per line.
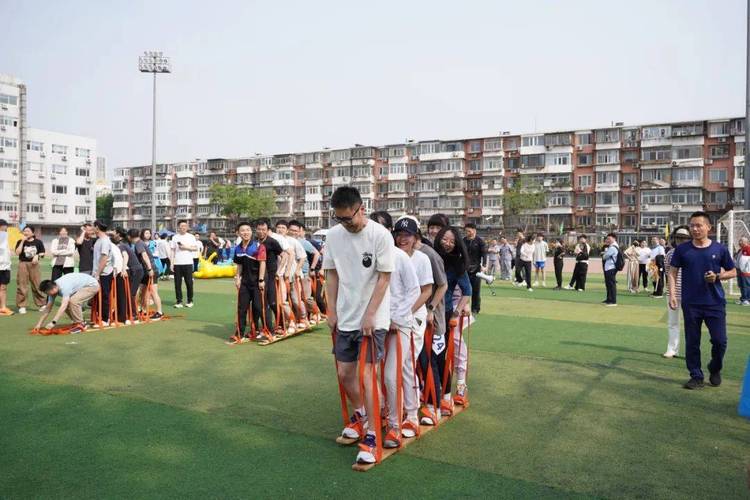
<point x="619" y="260"/>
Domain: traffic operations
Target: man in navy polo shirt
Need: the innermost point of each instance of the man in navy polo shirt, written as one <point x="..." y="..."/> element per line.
<point x="704" y="265"/>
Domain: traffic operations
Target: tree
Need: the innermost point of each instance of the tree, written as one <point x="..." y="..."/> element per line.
<point x="520" y="198"/>
<point x="236" y="202"/>
<point x="104" y="208"/>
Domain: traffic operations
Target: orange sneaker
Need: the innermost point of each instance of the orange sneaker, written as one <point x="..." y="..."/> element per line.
<point x="409" y="429"/>
<point x="6" y="312"/>
<point x="392" y="439"/>
<point x="446" y="407"/>
<point x="427" y="415"/>
<point x="355" y="428"/>
<point x="460" y="397"/>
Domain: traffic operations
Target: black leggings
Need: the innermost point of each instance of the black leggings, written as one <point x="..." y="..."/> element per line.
<point x="558" y="272"/>
<point x="643" y="273"/>
<point x="437" y="362"/>
<point x="249" y="294"/>
<point x="578" y="281"/>
<point x="526" y="267"/>
<point x="58" y="271"/>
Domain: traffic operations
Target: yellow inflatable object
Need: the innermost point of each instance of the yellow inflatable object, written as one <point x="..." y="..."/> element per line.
<point x="14" y="235"/>
<point x="208" y="270"/>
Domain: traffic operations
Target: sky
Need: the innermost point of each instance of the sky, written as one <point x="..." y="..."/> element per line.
<point x="281" y="76"/>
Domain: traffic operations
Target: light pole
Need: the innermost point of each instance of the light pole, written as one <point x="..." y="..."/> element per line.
<point x="746" y="167"/>
<point x="154" y="62"/>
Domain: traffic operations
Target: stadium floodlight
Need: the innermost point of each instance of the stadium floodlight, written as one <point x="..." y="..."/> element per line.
<point x="154" y="62"/>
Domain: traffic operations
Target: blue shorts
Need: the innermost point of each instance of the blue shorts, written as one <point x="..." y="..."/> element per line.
<point x="539" y="264"/>
<point x="347" y="345"/>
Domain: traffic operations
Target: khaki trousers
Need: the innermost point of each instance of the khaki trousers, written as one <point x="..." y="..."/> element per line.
<point x="29" y="274"/>
<point x="75" y="305"/>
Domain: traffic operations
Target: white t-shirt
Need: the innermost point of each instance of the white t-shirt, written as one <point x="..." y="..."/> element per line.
<point x="644" y="255"/>
<point x="423" y="268"/>
<point x="182" y="257"/>
<point x="357" y="259"/>
<point x="199" y="252"/>
<point x="162" y="248"/>
<point x="527" y="252"/>
<point x="4" y="252"/>
<point x="116" y="258"/>
<point x="540" y="251"/>
<point x="656" y="251"/>
<point x="404" y="289"/>
<point x="299" y="251"/>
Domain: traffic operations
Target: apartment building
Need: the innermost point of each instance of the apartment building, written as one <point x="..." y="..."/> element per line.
<point x="632" y="179"/>
<point x="46" y="178"/>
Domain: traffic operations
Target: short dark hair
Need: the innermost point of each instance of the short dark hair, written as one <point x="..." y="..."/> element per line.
<point x="296" y="223"/>
<point x="281" y="223"/>
<point x="440" y="220"/>
<point x="121" y="233"/>
<point x="100" y="225"/>
<point x="345" y="197"/>
<point x="86" y="224"/>
<point x="243" y="223"/>
<point x="612" y="235"/>
<point x="583" y="236"/>
<point x="470" y="225"/>
<point x="46" y="285"/>
<point x="133" y="233"/>
<point x="3" y="222"/>
<point x="384" y="218"/>
<point x="701" y="213"/>
<point x="181" y="221"/>
<point x="30" y="227"/>
<point x="263" y="221"/>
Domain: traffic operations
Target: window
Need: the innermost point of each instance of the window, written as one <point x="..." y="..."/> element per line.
<point x="718" y="129"/>
<point x="608" y="135"/>
<point x="685" y="152"/>
<point x="13" y="186"/>
<point x="655" y="197"/>
<point x="82" y="210"/>
<point x="532" y="140"/>
<point x="10" y="164"/>
<point x="475" y="146"/>
<point x="475" y="165"/>
<point x="687" y="197"/>
<point x="397" y="187"/>
<point x="83" y="172"/>
<point x="513" y="163"/>
<point x="654" y="220"/>
<point x="656" y="154"/>
<point x="688" y="174"/>
<point x="34" y="208"/>
<point x="59" y="149"/>
<point x="429" y="147"/>
<point x="58" y="189"/>
<point x="608" y="178"/>
<point x="59" y="169"/>
<point x="493" y="164"/>
<point x="658" y="132"/>
<point x="532" y="161"/>
<point x="558" y="159"/>
<point x="474" y="184"/>
<point x="739" y="149"/>
<point x="492" y="202"/>
<point x="628" y="199"/>
<point x="607" y="198"/>
<point x="82" y="191"/>
<point x="583" y="220"/>
<point x="510" y="143"/>
<point x="609" y="156"/>
<point x="492" y="145"/>
<point x="629" y="221"/>
<point x="34" y="146"/>
<point x="8" y="142"/>
<point x="183" y="195"/>
<point x="59" y="209"/>
<point x="660" y="174"/>
<point x="8" y="207"/>
<point x="718" y="174"/>
<point x="716" y="197"/>
<point x="606" y="219"/>
<point x="558" y="200"/>
<point x="584" y="200"/>
<point x="584" y="180"/>
<point x="585" y="159"/>
<point x="83" y="153"/>
<point x="475" y="203"/>
<point x="687" y="129"/>
<point x="721" y="151"/>
<point x="583" y="138"/>
<point x="8" y="99"/>
<point x="396" y="168"/>
<point x="629" y="180"/>
<point x="557" y="140"/>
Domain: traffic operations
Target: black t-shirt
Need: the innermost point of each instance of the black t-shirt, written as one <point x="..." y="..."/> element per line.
<point x="310" y="256"/>
<point x="139" y="247"/>
<point x="30" y="249"/>
<point x="212" y="247"/>
<point x="86" y="255"/>
<point x="273" y="251"/>
<point x="134" y="263"/>
<point x="477" y="250"/>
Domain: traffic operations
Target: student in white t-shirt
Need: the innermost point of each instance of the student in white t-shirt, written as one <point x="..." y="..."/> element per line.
<point x="293" y="273"/>
<point x="358" y="262"/>
<point x="407" y="237"/>
<point x="197" y="254"/>
<point x="540" y="258"/>
<point x="182" y="247"/>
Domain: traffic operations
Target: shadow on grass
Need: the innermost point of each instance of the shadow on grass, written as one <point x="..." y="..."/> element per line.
<point x="615" y="348"/>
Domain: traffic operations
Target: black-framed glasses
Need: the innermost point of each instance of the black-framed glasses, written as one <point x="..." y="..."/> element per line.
<point x="346" y="220"/>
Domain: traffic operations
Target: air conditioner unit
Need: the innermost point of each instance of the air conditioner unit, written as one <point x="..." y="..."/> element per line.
<point x="2" y="127"/>
<point x="722" y="139"/>
<point x="709" y="161"/>
<point x="53" y="177"/>
<point x="5" y="107"/>
<point x="42" y="154"/>
<point x="16" y="193"/>
<point x="644" y="207"/>
<point x="40" y="216"/>
<point x="674" y="163"/>
<point x="88" y="162"/>
<point x="42" y="195"/>
<point x="64" y="158"/>
<point x="677" y="207"/>
<point x="631" y="208"/>
<point x="15" y="172"/>
<point x="724" y="184"/>
<point x="2" y="150"/>
<point x="579" y="148"/>
<point x="88" y="181"/>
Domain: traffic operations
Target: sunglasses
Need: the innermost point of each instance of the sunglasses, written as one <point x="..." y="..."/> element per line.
<point x="346" y="220"/>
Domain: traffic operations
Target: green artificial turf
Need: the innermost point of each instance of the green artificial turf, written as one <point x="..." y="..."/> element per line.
<point x="568" y="399"/>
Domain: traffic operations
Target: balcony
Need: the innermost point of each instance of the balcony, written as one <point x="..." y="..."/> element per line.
<point x="120" y="204"/>
<point x="445" y="155"/>
<point x="186" y="174"/>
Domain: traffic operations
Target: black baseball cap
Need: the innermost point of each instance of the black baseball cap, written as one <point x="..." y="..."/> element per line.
<point x="407" y="225"/>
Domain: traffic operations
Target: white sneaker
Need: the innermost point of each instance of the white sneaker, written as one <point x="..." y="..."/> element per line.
<point x="746" y="302"/>
<point x="569" y="288"/>
<point x="104" y="324"/>
<point x="669" y="354"/>
<point x="610" y="305"/>
<point x="21" y="310"/>
<point x="189" y="304"/>
<point x="178" y="305"/>
<point x="529" y="289"/>
<point x="536" y="283"/>
<point x="738" y="302"/>
<point x="581" y="290"/>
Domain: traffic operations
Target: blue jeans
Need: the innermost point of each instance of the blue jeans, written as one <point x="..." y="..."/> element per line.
<point x="744" y="284"/>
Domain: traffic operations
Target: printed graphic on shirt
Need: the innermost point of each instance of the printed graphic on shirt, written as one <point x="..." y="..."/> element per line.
<point x="366" y="259"/>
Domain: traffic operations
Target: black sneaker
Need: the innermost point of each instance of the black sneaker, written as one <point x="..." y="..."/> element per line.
<point x="715" y="379"/>
<point x="156" y="316"/>
<point x="694" y="383"/>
